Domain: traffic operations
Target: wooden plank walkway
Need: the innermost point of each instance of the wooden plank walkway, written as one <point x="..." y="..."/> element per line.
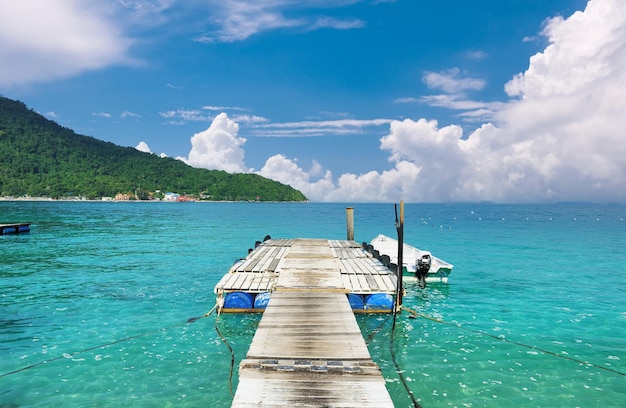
<point x="260" y="271"/>
<point x="308" y="349"/>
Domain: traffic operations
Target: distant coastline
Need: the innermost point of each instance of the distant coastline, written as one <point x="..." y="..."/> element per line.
<point x="113" y="200"/>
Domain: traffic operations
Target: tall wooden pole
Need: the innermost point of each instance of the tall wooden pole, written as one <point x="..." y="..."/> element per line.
<point x="400" y="228"/>
<point x="350" y="223"/>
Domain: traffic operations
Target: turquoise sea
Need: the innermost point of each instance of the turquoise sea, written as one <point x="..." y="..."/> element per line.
<point x="94" y="302"/>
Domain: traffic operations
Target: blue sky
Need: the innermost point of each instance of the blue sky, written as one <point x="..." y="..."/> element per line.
<point x="426" y="101"/>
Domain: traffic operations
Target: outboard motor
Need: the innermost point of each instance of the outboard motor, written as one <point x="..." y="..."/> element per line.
<point x="422" y="268"/>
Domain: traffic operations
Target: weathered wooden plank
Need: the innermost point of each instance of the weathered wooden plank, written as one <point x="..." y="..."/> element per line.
<point x="273" y="265"/>
<point x="304" y="353"/>
<point x="371" y="283"/>
<point x="344" y="243"/>
<point x="388" y="279"/>
<point x="308" y="325"/>
<point x="346" y="251"/>
<point x="363" y="282"/>
<point x="345" y="281"/>
<point x="272" y="261"/>
<point x="254" y="259"/>
<point x="321" y="279"/>
<point x="299" y="389"/>
<point x="280" y="242"/>
<point x="355" y="253"/>
<point x="365" y="274"/>
<point x="308" y="349"/>
<point x="278" y="257"/>
<point x="239" y="283"/>
<point x="262" y="282"/>
<point x="257" y="263"/>
<point x="383" y="278"/>
<point x="384" y="284"/>
<point x="227" y="281"/>
<point x="310" y="264"/>
<point x="351" y="272"/>
<point x="241" y="267"/>
<point x="246" y="282"/>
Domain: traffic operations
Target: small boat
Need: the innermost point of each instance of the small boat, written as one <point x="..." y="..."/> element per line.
<point x="415" y="262"/>
<point x="6" y="229"/>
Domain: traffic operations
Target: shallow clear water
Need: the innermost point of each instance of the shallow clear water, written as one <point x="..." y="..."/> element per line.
<point x="94" y="302"/>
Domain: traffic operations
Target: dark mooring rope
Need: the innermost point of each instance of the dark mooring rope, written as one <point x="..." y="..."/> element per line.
<point x="395" y="363"/>
<point x="415" y="314"/>
<point x="393" y="356"/>
<point x="75" y="353"/>
<point x="232" y="357"/>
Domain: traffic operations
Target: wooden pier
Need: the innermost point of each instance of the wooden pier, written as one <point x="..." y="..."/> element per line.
<point x="308" y="349"/>
<point x="18" y="228"/>
<point x="290" y="264"/>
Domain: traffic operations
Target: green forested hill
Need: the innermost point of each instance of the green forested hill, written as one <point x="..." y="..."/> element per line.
<point x="40" y="158"/>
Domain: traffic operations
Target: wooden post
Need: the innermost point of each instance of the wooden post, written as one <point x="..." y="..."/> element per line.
<point x="350" y="223"/>
<point x="400" y="228"/>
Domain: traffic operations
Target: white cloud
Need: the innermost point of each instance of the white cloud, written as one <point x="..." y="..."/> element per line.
<point x="561" y="139"/>
<point x="338" y="24"/>
<point x="145" y="13"/>
<point x="223" y="108"/>
<point x="181" y="116"/>
<point x="471" y="110"/>
<point x="249" y="119"/>
<point x="312" y="128"/>
<point x="237" y="20"/>
<point x="450" y="81"/>
<point x="280" y="168"/>
<point x="101" y="114"/>
<point x="287" y="171"/>
<point x="585" y="48"/>
<point x="455" y="87"/>
<point x="476" y="55"/>
<point x="48" y="39"/>
<point x="406" y="99"/>
<point x="370" y="187"/>
<point x="218" y="147"/>
<point x="127" y="114"/>
<point x="143" y="147"/>
<point x="457" y="102"/>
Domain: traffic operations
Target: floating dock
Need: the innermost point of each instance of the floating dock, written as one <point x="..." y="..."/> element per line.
<point x="6" y="229"/>
<point x="308" y="349"/>
<point x="338" y="266"/>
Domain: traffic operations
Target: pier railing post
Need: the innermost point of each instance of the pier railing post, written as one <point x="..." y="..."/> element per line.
<point x="350" y="223"/>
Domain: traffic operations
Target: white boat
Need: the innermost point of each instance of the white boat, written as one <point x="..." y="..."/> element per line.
<point x="412" y="260"/>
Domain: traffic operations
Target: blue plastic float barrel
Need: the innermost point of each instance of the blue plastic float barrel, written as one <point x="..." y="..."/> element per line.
<point x="238" y="300"/>
<point x="356" y="301"/>
<point x="10" y="230"/>
<point x="379" y="301"/>
<point x="24" y="228"/>
<point x="261" y="300"/>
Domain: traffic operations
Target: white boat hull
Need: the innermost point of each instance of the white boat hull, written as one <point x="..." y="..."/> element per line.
<point x="408" y="277"/>
<point x="439" y="269"/>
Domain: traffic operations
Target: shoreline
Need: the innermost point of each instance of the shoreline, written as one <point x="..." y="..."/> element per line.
<point x="110" y="200"/>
